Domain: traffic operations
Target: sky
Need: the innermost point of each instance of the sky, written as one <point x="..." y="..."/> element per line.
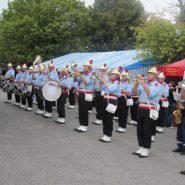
<point x="155" y="6"/>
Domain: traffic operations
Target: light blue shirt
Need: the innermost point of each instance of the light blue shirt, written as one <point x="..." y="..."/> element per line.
<point x="155" y="92"/>
<point x="10" y="73"/>
<point x="126" y="86"/>
<point x="73" y="81"/>
<point x="165" y="89"/>
<point x="97" y="84"/>
<point x="29" y="78"/>
<point x="89" y="84"/>
<point x="66" y="82"/>
<point x="23" y="76"/>
<point x="18" y="76"/>
<point x="112" y="88"/>
<point x="53" y="75"/>
<point x="40" y="78"/>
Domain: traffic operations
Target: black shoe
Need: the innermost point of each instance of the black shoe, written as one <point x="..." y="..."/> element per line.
<point x="182" y="172"/>
<point x="177" y="150"/>
<point x="77" y="117"/>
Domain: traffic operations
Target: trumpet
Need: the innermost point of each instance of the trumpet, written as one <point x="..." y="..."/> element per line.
<point x="138" y="78"/>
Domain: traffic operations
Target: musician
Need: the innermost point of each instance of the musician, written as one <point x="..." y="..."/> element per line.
<point x="52" y="75"/>
<point x="85" y="96"/>
<point x="112" y="90"/>
<point x="17" y="80"/>
<point x="72" y="91"/>
<point x="147" y="111"/>
<point x="99" y="93"/>
<point x="162" y="102"/>
<point x="181" y="127"/>
<point x="38" y="79"/>
<point x="9" y="76"/>
<point x="23" y="78"/>
<point x="172" y="105"/>
<point x="133" y="109"/>
<point x="65" y="83"/>
<point x="126" y="91"/>
<point x="29" y="81"/>
<point x="160" y="92"/>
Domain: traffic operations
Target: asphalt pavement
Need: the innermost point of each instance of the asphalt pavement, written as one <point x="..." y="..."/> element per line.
<point x="37" y="151"/>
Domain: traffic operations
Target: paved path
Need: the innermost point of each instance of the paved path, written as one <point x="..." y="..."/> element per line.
<point x="37" y="151"/>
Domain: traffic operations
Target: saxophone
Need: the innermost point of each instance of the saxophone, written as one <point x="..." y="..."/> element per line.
<point x="177" y="113"/>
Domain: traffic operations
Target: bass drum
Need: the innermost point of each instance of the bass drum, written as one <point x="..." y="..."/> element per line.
<point x="51" y="91"/>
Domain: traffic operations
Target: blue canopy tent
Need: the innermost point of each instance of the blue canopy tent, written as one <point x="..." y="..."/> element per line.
<point x="127" y="59"/>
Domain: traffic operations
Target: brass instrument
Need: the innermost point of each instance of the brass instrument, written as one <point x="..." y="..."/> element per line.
<point x="137" y="78"/>
<point x="37" y="61"/>
<point x="182" y="84"/>
<point x="177" y="115"/>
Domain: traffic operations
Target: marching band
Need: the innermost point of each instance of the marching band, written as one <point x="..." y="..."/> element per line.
<point x="113" y="93"/>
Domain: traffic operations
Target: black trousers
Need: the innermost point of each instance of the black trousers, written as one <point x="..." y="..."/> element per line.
<point x="133" y="109"/>
<point x="144" y="128"/>
<point x="154" y="127"/>
<point x="17" y="98"/>
<point x="108" y="118"/>
<point x="181" y="134"/>
<point x="72" y="92"/>
<point x="83" y="107"/>
<point x="23" y="100"/>
<point x="40" y="102"/>
<point x="98" y="105"/>
<point x="30" y="99"/>
<point x="48" y="106"/>
<point x="116" y="113"/>
<point x="160" y="120"/>
<point x="122" y="112"/>
<point x="91" y="104"/>
<point x="169" y="114"/>
<point x="9" y="96"/>
<point x="61" y="105"/>
<point x="53" y="104"/>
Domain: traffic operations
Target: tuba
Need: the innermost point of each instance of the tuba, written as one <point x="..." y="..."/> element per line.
<point x="38" y="60"/>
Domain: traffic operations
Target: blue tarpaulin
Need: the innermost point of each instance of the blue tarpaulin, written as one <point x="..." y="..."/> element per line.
<point x="127" y="59"/>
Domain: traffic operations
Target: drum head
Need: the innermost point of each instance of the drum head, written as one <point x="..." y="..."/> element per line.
<point x="50" y="91"/>
<point x="29" y="87"/>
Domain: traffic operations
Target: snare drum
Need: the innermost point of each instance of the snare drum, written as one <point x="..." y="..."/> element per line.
<point x="51" y="91"/>
<point x="29" y="89"/>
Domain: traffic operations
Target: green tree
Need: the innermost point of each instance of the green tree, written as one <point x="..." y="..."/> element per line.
<point x="112" y="20"/>
<point x="47" y="27"/>
<point x="161" y="40"/>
